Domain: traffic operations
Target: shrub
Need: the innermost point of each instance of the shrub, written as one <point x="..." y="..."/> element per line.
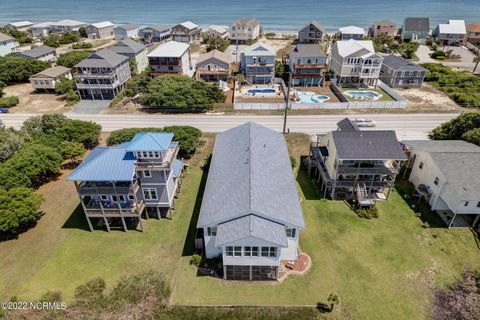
<point x="138" y="288"/>
<point x="64" y="85"/>
<point x="71" y="150"/>
<point x="293" y="162"/>
<point x="19" y="209"/>
<point x="8" y="102"/>
<point x="456" y="128"/>
<point x="72" y="97"/>
<point x="70" y="59"/>
<point x="82" y="45"/>
<point x="438" y="53"/>
<point x="367" y="213"/>
<point x="90" y="294"/>
<point x="51" y="296"/>
<point x="46" y="123"/>
<point x="123" y="135"/>
<point x="472" y="136"/>
<point x="196" y="259"/>
<point x="85" y="132"/>
<point x="2" y="86"/>
<point x="15" y="69"/>
<point x="10" y="141"/>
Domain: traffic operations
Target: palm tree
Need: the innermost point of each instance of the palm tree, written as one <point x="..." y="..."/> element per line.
<point x="476" y="60"/>
<point x="333" y="300"/>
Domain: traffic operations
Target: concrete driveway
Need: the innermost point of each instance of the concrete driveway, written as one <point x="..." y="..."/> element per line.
<point x="423" y="54"/>
<point x="91" y="106"/>
<point x="466" y="60"/>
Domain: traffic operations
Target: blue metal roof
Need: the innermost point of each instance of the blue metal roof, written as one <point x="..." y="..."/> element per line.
<point x="150" y="141"/>
<point x="176" y="168"/>
<point x="106" y="164"/>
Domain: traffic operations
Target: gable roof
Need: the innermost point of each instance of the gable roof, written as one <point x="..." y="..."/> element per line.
<point x="103" y="24"/>
<point x="42" y="25"/>
<point x="307" y="50"/>
<point x="259" y="49"/>
<point x="399" y="63"/>
<point x="19" y="24"/>
<point x="453" y="146"/>
<point x="170" y="49"/>
<point x="68" y="23"/>
<point x="250" y="173"/>
<point x="416" y="25"/>
<point x="352" y="30"/>
<point x="158" y="27"/>
<point x="37" y="52"/>
<point x="52" y="72"/>
<point x="244" y="21"/>
<point x="346" y="48"/>
<point x="128" y="26"/>
<point x="473" y="27"/>
<point x="5" y="37"/>
<point x="251" y="226"/>
<point x="150" y="141"/>
<point x="105" y="164"/>
<point x="453" y="26"/>
<point x="368" y="145"/>
<point x="316" y="24"/>
<point x="347" y="125"/>
<point x="384" y="23"/>
<point x="127" y="46"/>
<point x="103" y="58"/>
<point x="188" y="24"/>
<point x="215" y="54"/>
<point x="218" y="29"/>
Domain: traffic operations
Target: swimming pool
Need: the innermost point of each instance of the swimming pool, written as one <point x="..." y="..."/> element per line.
<point x="254" y="91"/>
<point x="311" y="97"/>
<point x="363" y="94"/>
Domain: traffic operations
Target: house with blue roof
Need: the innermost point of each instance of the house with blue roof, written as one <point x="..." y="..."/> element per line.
<point x="119" y="185"/>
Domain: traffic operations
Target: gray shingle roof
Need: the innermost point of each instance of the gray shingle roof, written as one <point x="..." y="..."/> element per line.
<point x="416" y="24"/>
<point x="453" y="146"/>
<point x="216" y="54"/>
<point x="250" y="172"/>
<point x="52" y="72"/>
<point x="347" y="125"/>
<point x="4" y="37"/>
<point x="128" y="26"/>
<point x="251" y="226"/>
<point x="316" y="24"/>
<point x="399" y="63"/>
<point x="368" y="145"/>
<point x="158" y="27"/>
<point x="307" y="50"/>
<point x="127" y="46"/>
<point x="104" y="58"/>
<point x="37" y="52"/>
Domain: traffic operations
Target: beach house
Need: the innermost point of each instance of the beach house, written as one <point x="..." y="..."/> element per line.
<point x="19" y="26"/>
<point x="7" y="45"/>
<point x="350" y="163"/>
<point x="133" y="50"/>
<point x="355" y="63"/>
<point x="257" y="62"/>
<point x="100" y="30"/>
<point x="250" y="215"/>
<point x="415" y="30"/>
<point x="155" y="33"/>
<point x="46" y="79"/>
<point x="307" y="63"/>
<point x="217" y="32"/>
<point x="473" y="33"/>
<point x="213" y="66"/>
<point x="66" y="25"/>
<point x="186" y="32"/>
<point x="452" y="33"/>
<point x="383" y="27"/>
<point x="41" y="29"/>
<point x="244" y="31"/>
<point x="446" y="173"/>
<point x="42" y="53"/>
<point x="102" y="75"/>
<point x="117" y="185"/>
<point x="312" y="32"/>
<point x="351" y="32"/>
<point x="171" y="57"/>
<point x="398" y="72"/>
<point x="125" y="31"/>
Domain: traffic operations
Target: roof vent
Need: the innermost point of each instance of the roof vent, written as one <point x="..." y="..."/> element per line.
<point x="265" y="145"/>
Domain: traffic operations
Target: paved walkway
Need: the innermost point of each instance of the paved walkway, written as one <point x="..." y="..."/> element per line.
<point x="91" y="106"/>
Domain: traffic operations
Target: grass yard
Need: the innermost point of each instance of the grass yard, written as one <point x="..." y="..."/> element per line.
<point x="385" y="96"/>
<point x="381" y="268"/>
<point x="61" y="254"/>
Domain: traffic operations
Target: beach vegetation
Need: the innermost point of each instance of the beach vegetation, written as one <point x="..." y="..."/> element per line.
<point x="14" y="69"/>
<point x="70" y="59"/>
<point x="464" y="127"/>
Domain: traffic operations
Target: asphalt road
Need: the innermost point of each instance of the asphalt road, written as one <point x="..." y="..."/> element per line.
<point x="408" y="126"/>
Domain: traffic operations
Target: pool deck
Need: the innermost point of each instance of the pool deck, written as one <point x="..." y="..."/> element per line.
<point x="321" y="91"/>
<point x="243" y="97"/>
<point x="385" y="96"/>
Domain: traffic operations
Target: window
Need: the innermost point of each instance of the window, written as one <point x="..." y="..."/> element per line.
<point x="466" y="204"/>
<point x="150" y="194"/>
<point x="104" y="197"/>
<point x="150" y="154"/>
<point x="212" y="231"/>
<point x="478" y="204"/>
<point x="229" y="251"/>
<point x="255" y="249"/>
<point x="291" y="232"/>
<point x="131" y="197"/>
<point x="265" y="251"/>
<point x="247" y="251"/>
<point x="144" y="154"/>
<point x="114" y="198"/>
<point x="273" y="251"/>
<point x="147" y="173"/>
<point x="156" y="154"/>
<point x="237" y="251"/>
<point x="420" y="166"/>
<point x="437" y="180"/>
<point x="121" y="198"/>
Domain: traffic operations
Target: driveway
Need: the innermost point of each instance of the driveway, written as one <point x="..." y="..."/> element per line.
<point x="91" y="106"/>
<point x="466" y="58"/>
<point x="423" y="54"/>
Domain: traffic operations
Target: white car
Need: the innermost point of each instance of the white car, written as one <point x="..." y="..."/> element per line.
<point x="364" y="122"/>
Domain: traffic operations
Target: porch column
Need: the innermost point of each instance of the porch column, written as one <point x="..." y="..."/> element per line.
<point x="140" y="220"/>
<point x="451" y="221"/>
<point x="106" y="223"/>
<point x="224" y="272"/>
<point x="250" y="272"/>
<point x="158" y="213"/>
<point x="476" y="221"/>
<point x="124" y="224"/>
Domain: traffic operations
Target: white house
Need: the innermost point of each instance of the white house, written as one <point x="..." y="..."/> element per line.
<point x="132" y="49"/>
<point x="258" y="63"/>
<point x="42" y="53"/>
<point x="250" y="214"/>
<point x="351" y="32"/>
<point x="447" y="174"/>
<point x="171" y="57"/>
<point x="125" y="31"/>
<point x="155" y="33"/>
<point x="244" y="30"/>
<point x="41" y="29"/>
<point x="100" y="30"/>
<point x="66" y="25"/>
<point x="354" y="62"/>
<point x="7" y="45"/>
<point x="451" y="33"/>
<point x="219" y="32"/>
<point x="47" y="79"/>
<point x="19" y="26"/>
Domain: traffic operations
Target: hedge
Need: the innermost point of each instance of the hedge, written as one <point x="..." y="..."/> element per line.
<point x="8" y="102"/>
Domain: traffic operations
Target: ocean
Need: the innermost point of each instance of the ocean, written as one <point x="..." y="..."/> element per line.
<point x="278" y="15"/>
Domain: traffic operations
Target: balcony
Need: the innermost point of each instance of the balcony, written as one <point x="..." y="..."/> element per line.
<point x="92" y="188"/>
<point x="90" y="75"/>
<point x="111" y="86"/>
<point x="309" y="66"/>
<point x="96" y="208"/>
<point x="365" y="170"/>
<point x="168" y="159"/>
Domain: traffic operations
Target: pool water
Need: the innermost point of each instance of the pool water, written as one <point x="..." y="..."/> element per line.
<point x="363" y="94"/>
<point x="310" y="97"/>
<point x="254" y="91"/>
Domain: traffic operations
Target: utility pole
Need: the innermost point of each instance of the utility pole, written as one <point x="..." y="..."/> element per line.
<point x="287" y="103"/>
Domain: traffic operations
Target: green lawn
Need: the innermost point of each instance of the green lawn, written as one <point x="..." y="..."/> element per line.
<point x="385" y="96"/>
<point x="381" y="268"/>
<point x="60" y="254"/>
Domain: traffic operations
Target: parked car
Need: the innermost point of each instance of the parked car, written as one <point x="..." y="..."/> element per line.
<point x="364" y="122"/>
<point x="3" y="110"/>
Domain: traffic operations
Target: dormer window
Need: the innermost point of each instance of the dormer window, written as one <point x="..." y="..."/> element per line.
<point x="466" y="204"/>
